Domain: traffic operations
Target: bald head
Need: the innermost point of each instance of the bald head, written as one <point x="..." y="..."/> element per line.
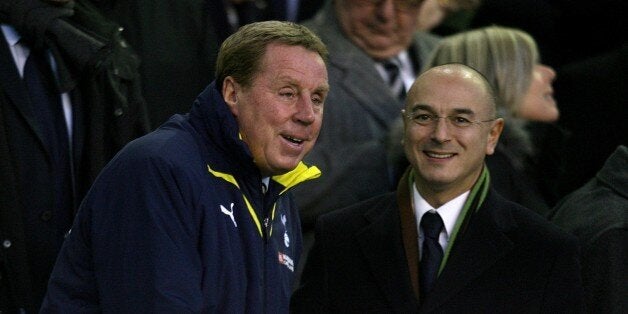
<point x="459" y="75"/>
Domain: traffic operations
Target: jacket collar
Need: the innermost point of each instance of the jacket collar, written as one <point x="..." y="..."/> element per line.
<point x="615" y="173"/>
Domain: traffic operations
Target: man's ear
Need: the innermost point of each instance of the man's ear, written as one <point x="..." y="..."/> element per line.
<point x="493" y="135"/>
<point x="230" y="94"/>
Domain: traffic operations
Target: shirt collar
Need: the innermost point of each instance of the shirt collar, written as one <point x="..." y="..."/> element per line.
<point x="449" y="212"/>
<point x="12" y="36"/>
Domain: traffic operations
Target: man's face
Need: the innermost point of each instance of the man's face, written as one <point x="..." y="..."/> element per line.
<point x="445" y="155"/>
<point x="382" y="28"/>
<point x="280" y="114"/>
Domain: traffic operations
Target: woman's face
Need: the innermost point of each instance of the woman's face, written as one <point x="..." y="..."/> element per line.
<point x="538" y="103"/>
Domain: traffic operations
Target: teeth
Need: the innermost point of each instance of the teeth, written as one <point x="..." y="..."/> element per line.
<point x="441" y="156"/>
<point x="294" y="140"/>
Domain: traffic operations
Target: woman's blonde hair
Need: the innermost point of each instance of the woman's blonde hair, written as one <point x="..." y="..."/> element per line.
<point x="505" y="56"/>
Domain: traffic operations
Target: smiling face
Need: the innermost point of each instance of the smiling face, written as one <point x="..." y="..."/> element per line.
<point x="382" y="28"/>
<point x="447" y="159"/>
<point x="538" y="103"/>
<point x="280" y="114"/>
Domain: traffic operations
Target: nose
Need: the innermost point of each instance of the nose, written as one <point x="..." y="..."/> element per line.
<point x="548" y="72"/>
<point x="305" y="110"/>
<point x="385" y="10"/>
<point x="440" y="130"/>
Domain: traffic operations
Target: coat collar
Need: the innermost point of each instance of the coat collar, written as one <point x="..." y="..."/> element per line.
<point x="615" y="173"/>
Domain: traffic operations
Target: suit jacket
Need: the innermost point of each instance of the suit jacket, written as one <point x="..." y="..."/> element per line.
<point x="108" y="112"/>
<point x="509" y="259"/>
<point x="359" y="111"/>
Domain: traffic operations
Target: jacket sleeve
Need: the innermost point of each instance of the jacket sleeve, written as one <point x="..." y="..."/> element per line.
<point x="133" y="246"/>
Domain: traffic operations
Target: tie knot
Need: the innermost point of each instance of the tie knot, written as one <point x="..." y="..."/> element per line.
<point x="392" y="68"/>
<point x="432" y="224"/>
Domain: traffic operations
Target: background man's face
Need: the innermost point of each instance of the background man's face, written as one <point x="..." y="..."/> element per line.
<point x="382" y="28"/>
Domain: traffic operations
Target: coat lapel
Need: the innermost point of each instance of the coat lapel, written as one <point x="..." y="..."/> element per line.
<point x="380" y="242"/>
<point x="15" y="89"/>
<point x="477" y="250"/>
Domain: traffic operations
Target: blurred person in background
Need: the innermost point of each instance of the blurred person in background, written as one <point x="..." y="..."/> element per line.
<point x="70" y="98"/>
<point x="597" y="213"/>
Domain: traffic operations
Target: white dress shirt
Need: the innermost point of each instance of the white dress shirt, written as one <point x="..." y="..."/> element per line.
<point x="406" y="70"/>
<point x="449" y="212"/>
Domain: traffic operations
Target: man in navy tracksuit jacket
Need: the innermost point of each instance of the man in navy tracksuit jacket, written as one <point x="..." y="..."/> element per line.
<point x="196" y="216"/>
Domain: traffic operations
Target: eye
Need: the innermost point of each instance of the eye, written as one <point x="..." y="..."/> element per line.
<point x="317" y="99"/>
<point x="287" y="93"/>
<point x="422" y="118"/>
<point x="460" y="121"/>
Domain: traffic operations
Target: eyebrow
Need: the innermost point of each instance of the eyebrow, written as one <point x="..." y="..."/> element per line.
<point x="322" y="89"/>
<point x="429" y="108"/>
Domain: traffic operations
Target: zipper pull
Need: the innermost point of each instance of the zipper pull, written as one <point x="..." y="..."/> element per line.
<point x="266" y="223"/>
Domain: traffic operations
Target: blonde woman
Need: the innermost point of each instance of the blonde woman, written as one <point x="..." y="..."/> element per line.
<point x="510" y="61"/>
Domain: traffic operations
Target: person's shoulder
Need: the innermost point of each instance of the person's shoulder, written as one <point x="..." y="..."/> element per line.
<point x="339" y="227"/>
<point x="591" y="211"/>
<point x="356" y="213"/>
<point x="171" y="143"/>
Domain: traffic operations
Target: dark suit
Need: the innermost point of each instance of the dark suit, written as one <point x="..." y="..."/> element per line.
<point x="508" y="260"/>
<point x="108" y="112"/>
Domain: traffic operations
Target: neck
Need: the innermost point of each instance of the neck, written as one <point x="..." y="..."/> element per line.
<point x="439" y="194"/>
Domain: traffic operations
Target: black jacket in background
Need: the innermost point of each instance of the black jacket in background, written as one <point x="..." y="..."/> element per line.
<point x="99" y="71"/>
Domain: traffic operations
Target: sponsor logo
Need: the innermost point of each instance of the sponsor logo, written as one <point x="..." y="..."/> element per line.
<point x="286" y="261"/>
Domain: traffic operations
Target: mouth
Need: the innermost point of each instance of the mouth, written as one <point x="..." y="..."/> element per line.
<point x="439" y="155"/>
<point x="549" y="96"/>
<point x="293" y="140"/>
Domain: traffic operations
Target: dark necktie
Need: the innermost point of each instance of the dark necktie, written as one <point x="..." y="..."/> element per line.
<point x="48" y="112"/>
<point x="395" y="81"/>
<point x="432" y="252"/>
